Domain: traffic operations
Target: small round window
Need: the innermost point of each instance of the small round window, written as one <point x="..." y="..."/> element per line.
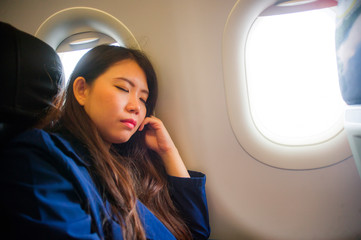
<point x="75" y="46"/>
<point x="73" y="31"/>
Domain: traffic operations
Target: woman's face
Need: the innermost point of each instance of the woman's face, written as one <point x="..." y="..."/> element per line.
<point x="115" y="101"/>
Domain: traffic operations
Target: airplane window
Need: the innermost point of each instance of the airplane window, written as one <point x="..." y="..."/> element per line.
<point x="281" y="83"/>
<point x="292" y="77"/>
<point x="73" y="31"/>
<point x="75" y="46"/>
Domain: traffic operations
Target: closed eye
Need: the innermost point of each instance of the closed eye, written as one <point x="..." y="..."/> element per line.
<point x="122" y="89"/>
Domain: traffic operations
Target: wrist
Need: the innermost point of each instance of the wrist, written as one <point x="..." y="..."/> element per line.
<point x="174" y="164"/>
<point x="168" y="153"/>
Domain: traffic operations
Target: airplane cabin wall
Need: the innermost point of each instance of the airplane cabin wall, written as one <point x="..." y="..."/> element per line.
<point x="247" y="199"/>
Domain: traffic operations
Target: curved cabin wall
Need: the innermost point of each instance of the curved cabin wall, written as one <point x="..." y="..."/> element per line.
<point x="247" y="199"/>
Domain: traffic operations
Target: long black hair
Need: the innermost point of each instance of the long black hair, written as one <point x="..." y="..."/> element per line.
<point x="129" y="171"/>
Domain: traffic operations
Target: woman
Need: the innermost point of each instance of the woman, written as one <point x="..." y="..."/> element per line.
<point x="105" y="168"/>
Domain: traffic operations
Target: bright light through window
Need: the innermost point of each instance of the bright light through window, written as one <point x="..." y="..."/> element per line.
<point x="292" y="77"/>
<point x="70" y="59"/>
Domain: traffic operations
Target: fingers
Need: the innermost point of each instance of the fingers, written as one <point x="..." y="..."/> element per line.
<point x="152" y="121"/>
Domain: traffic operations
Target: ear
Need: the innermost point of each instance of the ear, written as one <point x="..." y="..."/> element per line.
<point x="80" y="89"/>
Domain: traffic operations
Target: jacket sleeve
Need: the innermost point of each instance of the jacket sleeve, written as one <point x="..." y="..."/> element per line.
<point x="38" y="201"/>
<point x="189" y="196"/>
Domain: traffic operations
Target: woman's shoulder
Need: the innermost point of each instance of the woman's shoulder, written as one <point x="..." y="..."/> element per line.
<point x="34" y="138"/>
<point x="35" y="132"/>
<point x="41" y="141"/>
<point x="30" y="138"/>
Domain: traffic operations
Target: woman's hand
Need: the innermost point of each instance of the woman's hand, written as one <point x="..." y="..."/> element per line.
<point x="158" y="139"/>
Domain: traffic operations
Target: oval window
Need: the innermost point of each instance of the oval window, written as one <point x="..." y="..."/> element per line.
<point x="281" y="83"/>
<point x="292" y="77"/>
<point x="73" y="31"/>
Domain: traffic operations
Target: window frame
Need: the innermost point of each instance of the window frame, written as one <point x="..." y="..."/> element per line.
<point x="312" y="156"/>
<point x="71" y="21"/>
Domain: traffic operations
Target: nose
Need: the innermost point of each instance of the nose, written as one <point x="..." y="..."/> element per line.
<point x="133" y="105"/>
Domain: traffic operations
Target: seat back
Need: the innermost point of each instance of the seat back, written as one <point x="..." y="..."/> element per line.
<point x="31" y="75"/>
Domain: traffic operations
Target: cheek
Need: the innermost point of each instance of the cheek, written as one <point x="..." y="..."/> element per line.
<point x="143" y="112"/>
<point x="109" y="99"/>
<point x="140" y="119"/>
<point x="102" y="104"/>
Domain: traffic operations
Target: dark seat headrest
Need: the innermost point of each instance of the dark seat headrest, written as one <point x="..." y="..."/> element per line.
<point x="31" y="74"/>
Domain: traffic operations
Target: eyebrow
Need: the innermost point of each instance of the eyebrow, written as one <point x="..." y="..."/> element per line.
<point x="131" y="83"/>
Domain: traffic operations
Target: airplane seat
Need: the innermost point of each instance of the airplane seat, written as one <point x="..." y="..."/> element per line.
<point x="31" y="75"/>
<point x="348" y="47"/>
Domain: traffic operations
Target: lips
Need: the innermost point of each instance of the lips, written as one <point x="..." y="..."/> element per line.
<point x="130" y="123"/>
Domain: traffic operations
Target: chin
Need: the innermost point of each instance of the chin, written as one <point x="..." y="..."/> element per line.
<point x="117" y="140"/>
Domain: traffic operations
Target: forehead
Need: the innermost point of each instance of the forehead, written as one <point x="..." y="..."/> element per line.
<point x="126" y="69"/>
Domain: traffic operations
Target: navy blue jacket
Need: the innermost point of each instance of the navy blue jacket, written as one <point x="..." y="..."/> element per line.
<point x="49" y="194"/>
